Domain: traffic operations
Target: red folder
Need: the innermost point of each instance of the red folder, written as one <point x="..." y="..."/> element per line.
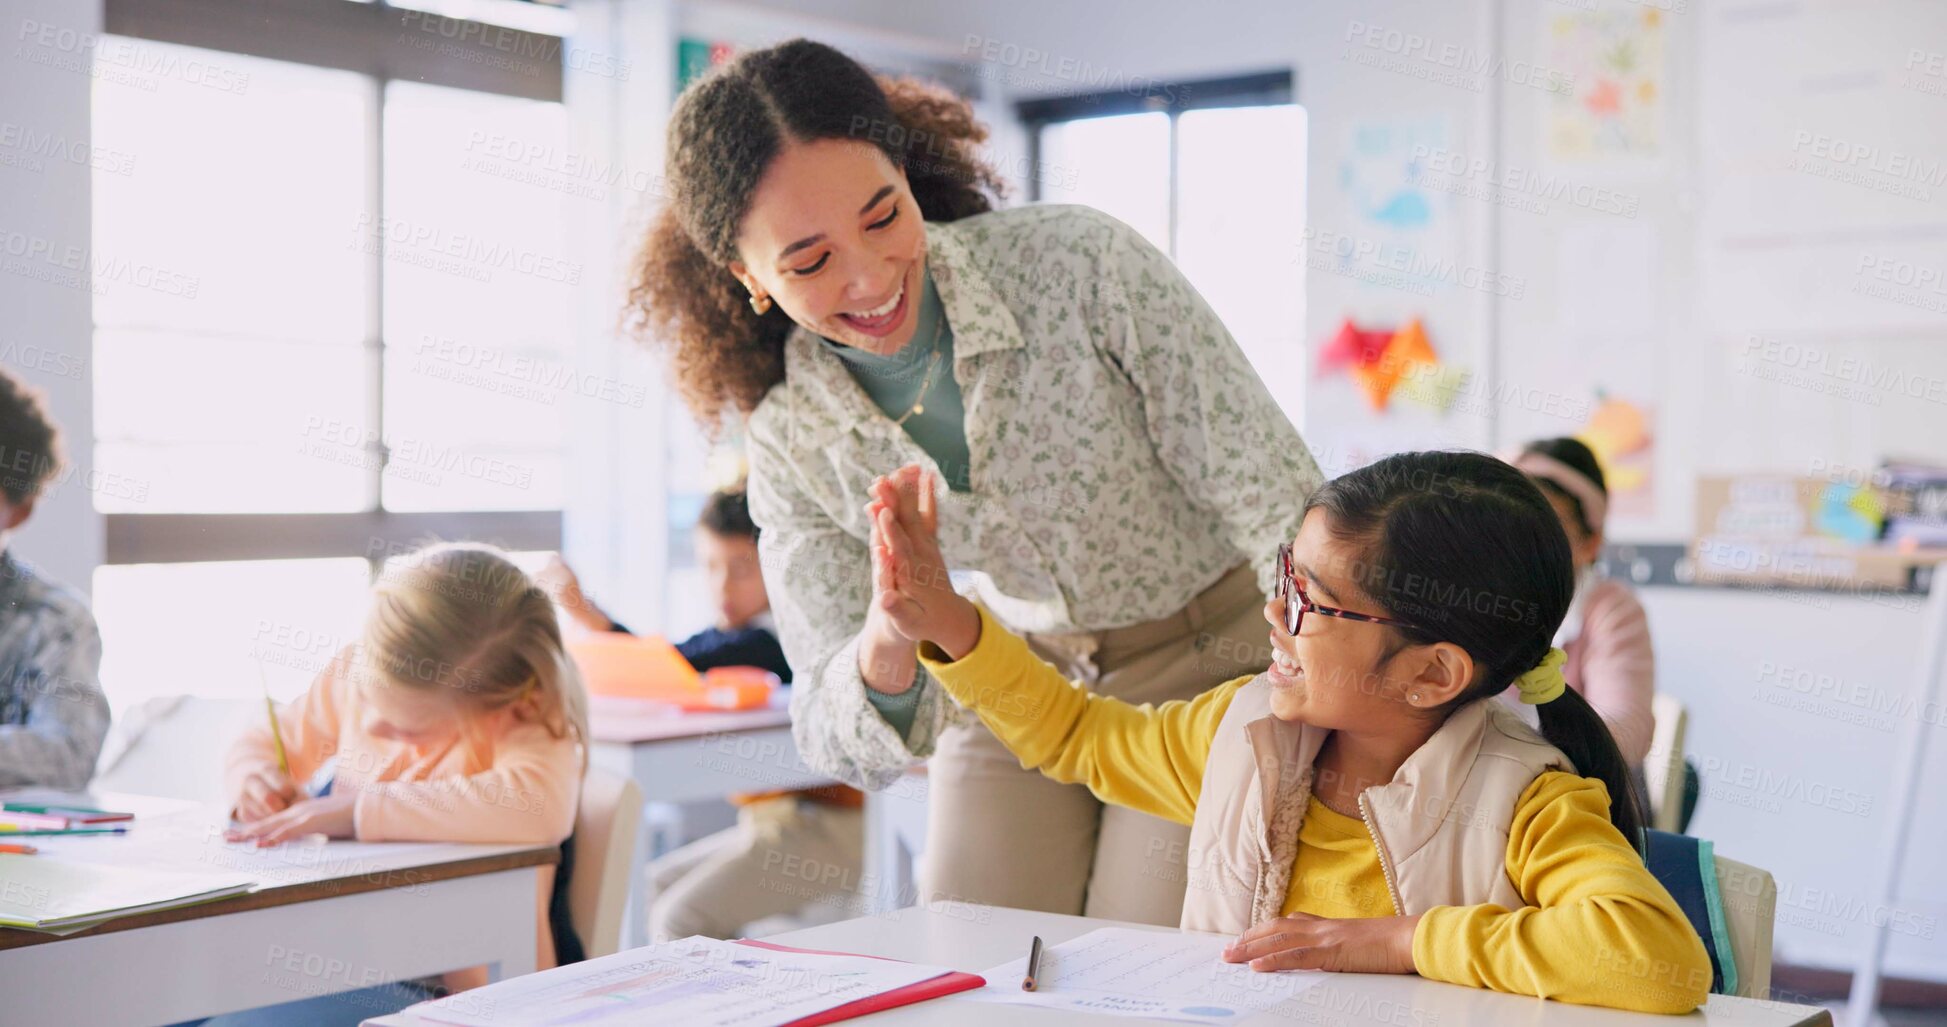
<point x="945" y="984"/>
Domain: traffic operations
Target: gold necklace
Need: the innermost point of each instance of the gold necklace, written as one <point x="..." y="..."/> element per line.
<point x="932" y="365"/>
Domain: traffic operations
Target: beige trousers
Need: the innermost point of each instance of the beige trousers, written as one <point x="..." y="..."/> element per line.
<point x="1001" y="835"/>
<point x="784" y="854"/>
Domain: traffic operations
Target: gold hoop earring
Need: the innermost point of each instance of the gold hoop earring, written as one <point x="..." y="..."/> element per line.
<point x="760" y="304"/>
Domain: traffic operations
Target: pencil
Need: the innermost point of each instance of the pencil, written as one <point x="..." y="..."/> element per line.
<point x="1034" y="965"/>
<point x="19" y="850"/>
<point x="276" y="736"/>
<point x="70" y="830"/>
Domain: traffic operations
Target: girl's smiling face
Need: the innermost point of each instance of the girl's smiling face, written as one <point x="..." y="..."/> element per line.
<point x="1346" y="674"/>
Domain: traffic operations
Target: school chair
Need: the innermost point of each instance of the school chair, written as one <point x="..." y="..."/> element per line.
<point x="606" y="823"/>
<point x="1731" y="909"/>
<point x="1750" y="905"/>
<point x="174" y="746"/>
<point x="1663" y="770"/>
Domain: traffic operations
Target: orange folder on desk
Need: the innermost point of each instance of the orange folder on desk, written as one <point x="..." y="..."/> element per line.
<point x="648" y="667"/>
<point x="945" y="984"/>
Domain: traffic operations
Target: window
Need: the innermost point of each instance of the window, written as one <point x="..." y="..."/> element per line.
<point x="1212" y="173"/>
<point x="332" y="315"/>
<point x="1119" y="164"/>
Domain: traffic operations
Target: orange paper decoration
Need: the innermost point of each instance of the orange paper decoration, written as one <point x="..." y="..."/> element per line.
<point x="1403" y="355"/>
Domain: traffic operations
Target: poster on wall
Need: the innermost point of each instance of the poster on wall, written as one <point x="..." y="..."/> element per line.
<point x="1383" y="191"/>
<point x="1383" y="249"/>
<point x="1615" y="59"/>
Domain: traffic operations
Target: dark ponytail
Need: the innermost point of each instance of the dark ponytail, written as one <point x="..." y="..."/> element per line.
<point x="1465" y="549"/>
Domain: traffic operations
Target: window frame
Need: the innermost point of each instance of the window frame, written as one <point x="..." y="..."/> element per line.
<point x="374" y="40"/>
<point x="1258" y="89"/>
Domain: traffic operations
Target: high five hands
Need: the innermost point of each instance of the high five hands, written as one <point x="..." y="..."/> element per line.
<point x="910" y="586"/>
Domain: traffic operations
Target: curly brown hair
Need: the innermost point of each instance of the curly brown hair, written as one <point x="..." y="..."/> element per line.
<point x="724" y="133"/>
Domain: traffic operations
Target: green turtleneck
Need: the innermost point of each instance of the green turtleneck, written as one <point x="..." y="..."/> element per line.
<point x="893" y="383"/>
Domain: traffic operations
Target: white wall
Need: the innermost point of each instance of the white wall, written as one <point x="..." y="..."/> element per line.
<point x="46" y="323"/>
<point x="1797" y="703"/>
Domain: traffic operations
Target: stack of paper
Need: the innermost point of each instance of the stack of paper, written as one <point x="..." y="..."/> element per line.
<point x="698" y="982"/>
<point x="45" y="894"/>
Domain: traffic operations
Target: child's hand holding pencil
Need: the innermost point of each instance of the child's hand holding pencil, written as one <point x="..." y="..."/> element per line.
<point x="264" y="792"/>
<point x="910" y="584"/>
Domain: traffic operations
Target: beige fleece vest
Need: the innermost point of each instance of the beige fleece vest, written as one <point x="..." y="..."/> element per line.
<point x="1441" y="824"/>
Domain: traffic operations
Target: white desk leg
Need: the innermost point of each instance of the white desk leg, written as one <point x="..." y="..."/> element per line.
<point x="895" y="833"/>
<point x="883" y="853"/>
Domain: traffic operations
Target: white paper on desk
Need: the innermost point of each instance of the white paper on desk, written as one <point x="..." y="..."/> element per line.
<point x="47" y="893"/>
<point x="309" y="859"/>
<point x="696" y="981"/>
<point x="1161" y="975"/>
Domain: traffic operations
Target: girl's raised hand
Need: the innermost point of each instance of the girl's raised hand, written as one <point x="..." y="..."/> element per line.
<point x="910" y="584"/>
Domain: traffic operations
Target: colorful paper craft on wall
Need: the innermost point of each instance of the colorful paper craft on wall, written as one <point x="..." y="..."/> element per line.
<point x="1618" y="431"/>
<point x="1606" y="73"/>
<point x="1389" y="362"/>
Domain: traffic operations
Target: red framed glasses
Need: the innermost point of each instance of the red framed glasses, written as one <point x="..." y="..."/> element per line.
<point x="1294" y="612"/>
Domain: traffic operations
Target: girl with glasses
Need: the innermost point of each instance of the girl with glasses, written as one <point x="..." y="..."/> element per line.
<point x="1358" y="806"/>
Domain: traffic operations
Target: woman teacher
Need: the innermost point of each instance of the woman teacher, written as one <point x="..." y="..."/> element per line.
<point x="1116" y="478"/>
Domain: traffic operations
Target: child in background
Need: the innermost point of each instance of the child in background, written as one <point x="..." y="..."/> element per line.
<point x="1358" y="806"/>
<point x="456" y="717"/>
<point x="1606" y="634"/>
<point x="726" y="547"/>
<point x="717" y="884"/>
<point x="53" y="715"/>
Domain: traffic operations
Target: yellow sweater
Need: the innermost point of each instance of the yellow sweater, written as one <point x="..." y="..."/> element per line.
<point x="1596" y="913"/>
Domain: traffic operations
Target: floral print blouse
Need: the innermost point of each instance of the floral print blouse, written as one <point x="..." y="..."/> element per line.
<point x="1124" y="457"/>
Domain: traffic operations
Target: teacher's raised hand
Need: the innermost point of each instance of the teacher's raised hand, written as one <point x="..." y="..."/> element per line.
<point x="911" y="588"/>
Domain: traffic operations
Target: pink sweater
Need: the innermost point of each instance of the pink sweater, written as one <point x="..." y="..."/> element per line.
<point x="509" y="781"/>
<point x="505" y="780"/>
<point x="1610" y="662"/>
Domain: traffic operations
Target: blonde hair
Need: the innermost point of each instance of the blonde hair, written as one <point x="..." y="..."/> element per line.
<point x="460" y="615"/>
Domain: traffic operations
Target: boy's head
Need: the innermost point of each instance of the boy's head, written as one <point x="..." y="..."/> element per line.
<point x="726" y="547"/>
<point x="30" y="450"/>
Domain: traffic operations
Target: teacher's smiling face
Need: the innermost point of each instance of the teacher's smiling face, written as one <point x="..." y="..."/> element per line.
<point x="834" y="238"/>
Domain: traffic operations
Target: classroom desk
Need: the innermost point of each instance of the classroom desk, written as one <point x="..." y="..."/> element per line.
<point x="676" y="757"/>
<point x="975" y="938"/>
<point x="325" y="918"/>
